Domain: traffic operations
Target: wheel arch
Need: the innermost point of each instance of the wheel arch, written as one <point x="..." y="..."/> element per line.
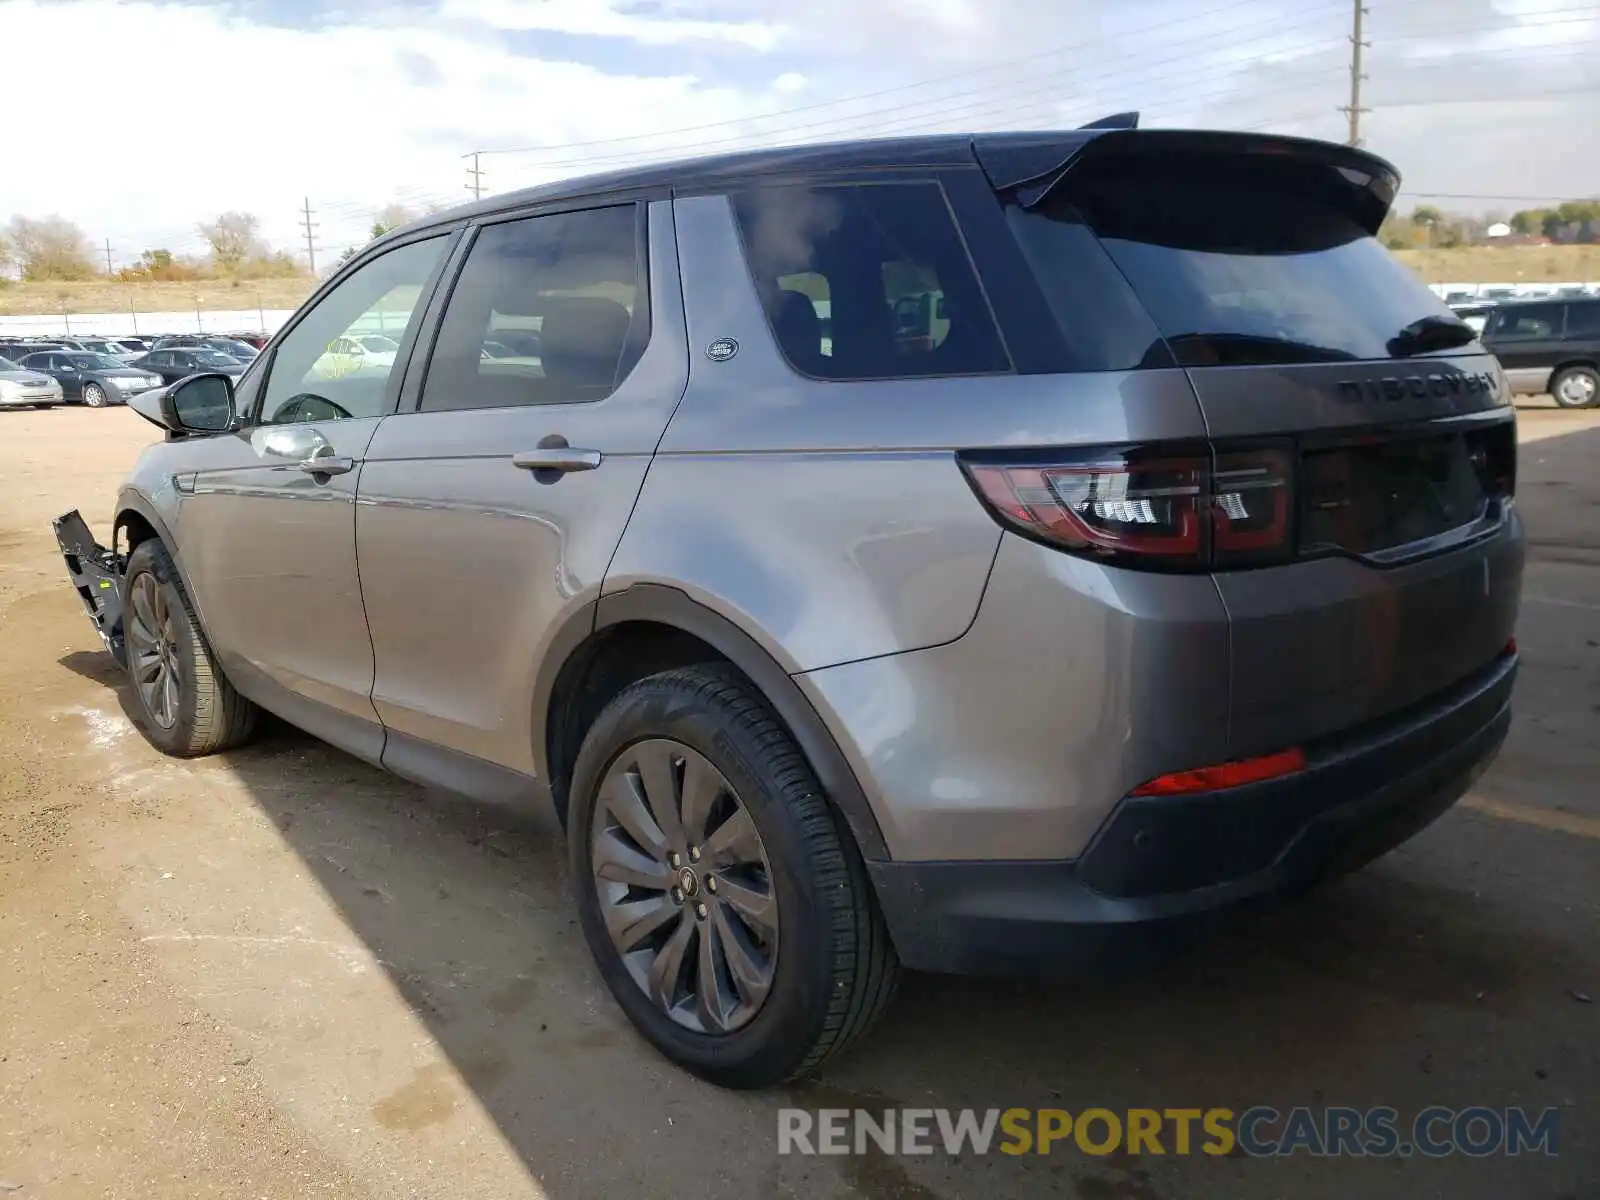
<point x="646" y="628"/>
<point x="1592" y="362"/>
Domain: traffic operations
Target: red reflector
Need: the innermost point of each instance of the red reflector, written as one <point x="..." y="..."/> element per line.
<point x="1225" y="775"/>
<point x="1511" y="646"/>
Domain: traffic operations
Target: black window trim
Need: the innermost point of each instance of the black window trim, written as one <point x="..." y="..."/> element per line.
<point x="639" y="331"/>
<point x="900" y="177"/>
<point x="267" y="358"/>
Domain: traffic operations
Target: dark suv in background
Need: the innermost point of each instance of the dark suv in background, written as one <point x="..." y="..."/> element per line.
<point x="1549" y="346"/>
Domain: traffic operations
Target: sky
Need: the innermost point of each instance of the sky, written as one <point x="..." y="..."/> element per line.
<point x="167" y="112"/>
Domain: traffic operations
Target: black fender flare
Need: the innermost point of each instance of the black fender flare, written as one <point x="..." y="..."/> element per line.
<point x="131" y="500"/>
<point x="664" y="605"/>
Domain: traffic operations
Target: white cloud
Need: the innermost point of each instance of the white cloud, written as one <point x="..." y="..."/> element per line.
<point x="601" y="18"/>
<point x="354" y="115"/>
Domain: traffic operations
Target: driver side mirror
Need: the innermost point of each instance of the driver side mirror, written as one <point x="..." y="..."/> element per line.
<point x="198" y="404"/>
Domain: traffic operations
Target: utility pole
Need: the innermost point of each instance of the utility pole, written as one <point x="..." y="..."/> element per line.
<point x="476" y="186"/>
<point x="1353" y="110"/>
<point x="108" y="256"/>
<point x="311" y="246"/>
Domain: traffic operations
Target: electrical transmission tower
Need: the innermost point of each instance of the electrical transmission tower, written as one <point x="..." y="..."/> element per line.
<point x="475" y="186"/>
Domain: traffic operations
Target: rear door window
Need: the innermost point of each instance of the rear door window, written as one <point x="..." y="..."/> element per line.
<point x="867" y="281"/>
<point x="1527" y="321"/>
<point x="1237" y="270"/>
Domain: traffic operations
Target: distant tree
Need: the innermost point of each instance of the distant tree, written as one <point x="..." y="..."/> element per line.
<point x="233" y="237"/>
<point x="391" y="216"/>
<point x="8" y="256"/>
<point x="50" y="248"/>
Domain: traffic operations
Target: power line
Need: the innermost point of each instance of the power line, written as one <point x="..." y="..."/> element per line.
<point x="476" y="184"/>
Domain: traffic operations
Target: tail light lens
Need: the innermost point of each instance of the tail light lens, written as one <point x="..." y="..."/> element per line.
<point x="1178" y="507"/>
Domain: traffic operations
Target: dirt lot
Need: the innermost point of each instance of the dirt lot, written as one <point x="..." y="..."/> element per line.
<point x="283" y="974"/>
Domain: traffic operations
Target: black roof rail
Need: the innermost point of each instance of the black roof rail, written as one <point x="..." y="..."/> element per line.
<point x="1121" y="120"/>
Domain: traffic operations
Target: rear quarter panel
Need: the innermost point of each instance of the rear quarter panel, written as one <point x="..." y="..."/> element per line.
<point x="830" y="519"/>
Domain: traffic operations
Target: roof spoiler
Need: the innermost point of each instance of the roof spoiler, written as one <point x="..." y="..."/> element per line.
<point x="1121" y="120"/>
<point x="1029" y="171"/>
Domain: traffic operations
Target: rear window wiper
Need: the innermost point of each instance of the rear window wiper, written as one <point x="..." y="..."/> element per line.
<point x="1431" y="333"/>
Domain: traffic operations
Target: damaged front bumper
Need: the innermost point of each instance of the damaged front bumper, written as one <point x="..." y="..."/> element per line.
<point x="96" y="573"/>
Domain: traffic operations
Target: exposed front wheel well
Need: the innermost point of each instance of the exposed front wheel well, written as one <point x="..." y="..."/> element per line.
<point x="131" y="529"/>
<point x="608" y="661"/>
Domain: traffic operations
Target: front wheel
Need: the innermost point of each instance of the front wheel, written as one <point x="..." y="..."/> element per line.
<point x="189" y="708"/>
<point x="723" y="899"/>
<point x="1576" y="387"/>
<point x="94" y="395"/>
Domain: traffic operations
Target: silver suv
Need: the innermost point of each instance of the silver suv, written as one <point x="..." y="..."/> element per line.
<point x="997" y="553"/>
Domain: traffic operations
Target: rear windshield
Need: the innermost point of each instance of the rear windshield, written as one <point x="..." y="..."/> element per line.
<point x="1236" y="272"/>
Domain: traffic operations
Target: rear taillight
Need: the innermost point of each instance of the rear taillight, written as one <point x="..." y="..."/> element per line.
<point x="1177" y="507"/>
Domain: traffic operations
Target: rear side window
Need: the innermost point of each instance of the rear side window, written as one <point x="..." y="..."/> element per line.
<point x="1238" y="265"/>
<point x="1583" y="320"/>
<point x="548" y="310"/>
<point x="867" y="281"/>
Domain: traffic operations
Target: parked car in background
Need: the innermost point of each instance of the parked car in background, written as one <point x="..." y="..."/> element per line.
<point x="173" y="365"/>
<point x="21" y="349"/>
<point x="1166" y="561"/>
<point x="258" y="340"/>
<point x="242" y="351"/>
<point x="95" y="379"/>
<point x="356" y="353"/>
<point x="22" y="388"/>
<point x="116" y="348"/>
<point x="1549" y="346"/>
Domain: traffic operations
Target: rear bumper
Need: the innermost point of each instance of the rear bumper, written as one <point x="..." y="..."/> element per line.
<point x="1162" y="869"/>
<point x="96" y="575"/>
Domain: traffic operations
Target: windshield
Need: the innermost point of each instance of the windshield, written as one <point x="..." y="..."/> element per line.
<point x="96" y="362"/>
<point x="210" y="358"/>
<point x="1239" y="271"/>
<point x="379" y="343"/>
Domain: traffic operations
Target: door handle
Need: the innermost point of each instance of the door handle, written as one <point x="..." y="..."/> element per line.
<point x="327" y="464"/>
<point x="556" y="458"/>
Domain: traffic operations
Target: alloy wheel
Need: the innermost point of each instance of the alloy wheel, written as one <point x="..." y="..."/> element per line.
<point x="685" y="886"/>
<point x="1578" y="389"/>
<point x="94" y="396"/>
<point x="153" y="650"/>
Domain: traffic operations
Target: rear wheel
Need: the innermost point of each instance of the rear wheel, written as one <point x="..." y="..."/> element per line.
<point x="1576" y="387"/>
<point x="189" y="708"/>
<point x="724" y="902"/>
<point x="94" y="395"/>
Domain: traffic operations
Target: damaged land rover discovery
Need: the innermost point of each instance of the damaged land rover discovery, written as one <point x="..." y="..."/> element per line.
<point x="981" y="553"/>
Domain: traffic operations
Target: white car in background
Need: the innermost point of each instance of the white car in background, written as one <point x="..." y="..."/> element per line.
<point x="352" y="352"/>
<point x="22" y="388"/>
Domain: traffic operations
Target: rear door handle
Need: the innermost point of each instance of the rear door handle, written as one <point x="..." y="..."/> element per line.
<point x="556" y="458"/>
<point x="327" y="464"/>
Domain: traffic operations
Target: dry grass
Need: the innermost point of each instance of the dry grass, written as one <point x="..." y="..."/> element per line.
<point x="106" y="296"/>
<point x="1472" y="264"/>
<point x="1506" y="264"/>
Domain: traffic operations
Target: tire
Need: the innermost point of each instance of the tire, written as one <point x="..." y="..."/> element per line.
<point x="94" y="395"/>
<point x="1576" y="387"/>
<point x="199" y="713"/>
<point x="831" y="967"/>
